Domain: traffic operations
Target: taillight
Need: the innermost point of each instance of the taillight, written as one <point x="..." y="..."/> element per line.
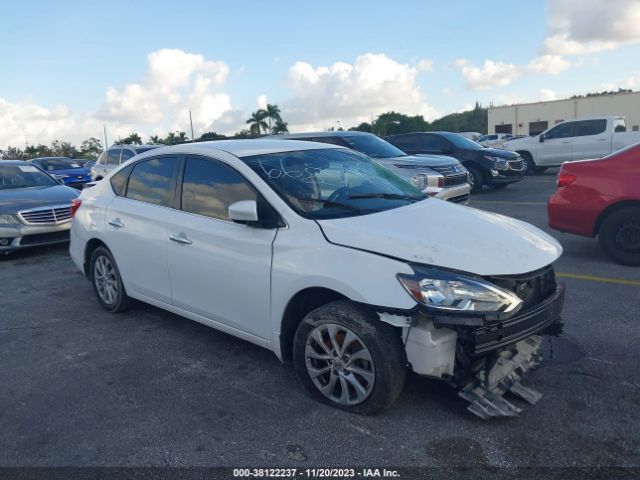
<point x="565" y="179"/>
<point x="75" y="205"/>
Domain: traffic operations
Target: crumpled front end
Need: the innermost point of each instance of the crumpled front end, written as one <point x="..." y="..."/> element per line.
<point x="486" y="357"/>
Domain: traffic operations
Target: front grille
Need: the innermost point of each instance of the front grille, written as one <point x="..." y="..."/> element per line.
<point x="533" y="288"/>
<point x="46" y="216"/>
<point x="457" y="179"/>
<point x="516" y="164"/>
<point x="44" y="238"/>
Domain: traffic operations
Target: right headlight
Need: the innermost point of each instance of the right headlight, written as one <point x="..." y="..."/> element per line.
<point x="419" y="181"/>
<point x="455" y="293"/>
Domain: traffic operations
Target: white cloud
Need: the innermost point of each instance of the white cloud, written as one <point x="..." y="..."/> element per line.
<point x="175" y="81"/>
<point x="351" y="93"/>
<point x="510" y="98"/>
<point x="499" y="74"/>
<point x="425" y="65"/>
<point x="262" y="101"/>
<point x="491" y="74"/>
<point x="577" y="27"/>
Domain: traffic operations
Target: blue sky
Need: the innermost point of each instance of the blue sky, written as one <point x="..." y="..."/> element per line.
<point x="60" y="58"/>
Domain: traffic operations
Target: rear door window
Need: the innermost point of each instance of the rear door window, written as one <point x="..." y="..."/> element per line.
<point x="590" y="127"/>
<point x="152" y="181"/>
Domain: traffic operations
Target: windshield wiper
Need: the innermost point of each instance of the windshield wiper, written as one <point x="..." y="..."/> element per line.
<point x="391" y="196"/>
<point x="329" y="203"/>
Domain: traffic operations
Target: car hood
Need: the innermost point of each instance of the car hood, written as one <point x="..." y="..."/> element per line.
<point x="420" y="160"/>
<point x="520" y="142"/>
<point x="14" y="200"/>
<point x="439" y="233"/>
<point x="70" y="171"/>
<point x="499" y="152"/>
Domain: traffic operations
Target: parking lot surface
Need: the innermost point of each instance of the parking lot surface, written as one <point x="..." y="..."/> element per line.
<point x="81" y="387"/>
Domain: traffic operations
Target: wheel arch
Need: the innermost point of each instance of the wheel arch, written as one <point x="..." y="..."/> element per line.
<point x="610" y="209"/>
<point x="88" y="251"/>
<point x="298" y="307"/>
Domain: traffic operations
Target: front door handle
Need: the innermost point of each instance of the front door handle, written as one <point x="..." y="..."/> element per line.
<point x="115" y="222"/>
<point x="181" y="238"/>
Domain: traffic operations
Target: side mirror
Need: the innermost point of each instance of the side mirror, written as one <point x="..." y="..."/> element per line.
<point x="244" y="211"/>
<point x="542" y="137"/>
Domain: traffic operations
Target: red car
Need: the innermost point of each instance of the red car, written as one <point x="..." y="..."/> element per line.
<point x="602" y="198"/>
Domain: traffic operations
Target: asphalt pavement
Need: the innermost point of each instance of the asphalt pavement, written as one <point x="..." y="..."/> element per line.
<point x="81" y="387"/>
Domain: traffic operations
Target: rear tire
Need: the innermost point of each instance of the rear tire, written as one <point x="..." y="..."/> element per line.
<point x="476" y="178"/>
<point x="107" y="282"/>
<point x="619" y="236"/>
<point x="370" y="368"/>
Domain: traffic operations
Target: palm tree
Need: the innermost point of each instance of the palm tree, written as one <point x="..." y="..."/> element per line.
<point x="272" y="113"/>
<point x="181" y="137"/>
<point x="155" y="139"/>
<point x="256" y="122"/>
<point x="280" y="127"/>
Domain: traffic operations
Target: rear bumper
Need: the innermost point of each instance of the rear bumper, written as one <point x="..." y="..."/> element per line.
<point x="17" y="237"/>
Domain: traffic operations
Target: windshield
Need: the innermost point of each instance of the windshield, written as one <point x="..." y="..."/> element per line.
<point x="373" y="146"/>
<point x="461" y="141"/>
<point x="49" y="164"/>
<point x="23" y="176"/>
<point x="332" y="183"/>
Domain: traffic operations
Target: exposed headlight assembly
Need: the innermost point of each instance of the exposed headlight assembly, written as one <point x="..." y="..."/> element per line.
<point x="455" y="293"/>
<point x="419" y="181"/>
<point x="9" y="220"/>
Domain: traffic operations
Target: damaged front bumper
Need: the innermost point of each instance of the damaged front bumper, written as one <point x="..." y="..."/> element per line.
<point x="485" y="358"/>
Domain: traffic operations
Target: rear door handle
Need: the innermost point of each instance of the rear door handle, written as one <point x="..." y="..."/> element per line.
<point x="181" y="238"/>
<point x="115" y="222"/>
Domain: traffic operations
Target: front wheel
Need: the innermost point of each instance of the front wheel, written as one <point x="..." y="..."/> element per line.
<point x="107" y="283"/>
<point x="346" y="357"/>
<point x="619" y="235"/>
<point x="529" y="164"/>
<point x="476" y="179"/>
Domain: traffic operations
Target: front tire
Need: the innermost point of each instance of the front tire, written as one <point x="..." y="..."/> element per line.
<point x="619" y="236"/>
<point x="530" y="165"/>
<point x="476" y="179"/>
<point x="344" y="356"/>
<point x="107" y="282"/>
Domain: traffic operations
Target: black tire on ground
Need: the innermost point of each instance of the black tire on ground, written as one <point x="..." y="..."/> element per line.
<point x="530" y="165"/>
<point x="500" y="186"/>
<point x="619" y="235"/>
<point x="382" y="341"/>
<point x="476" y="179"/>
<point x="122" y="301"/>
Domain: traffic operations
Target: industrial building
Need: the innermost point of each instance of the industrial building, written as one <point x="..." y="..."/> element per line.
<point x="533" y="118"/>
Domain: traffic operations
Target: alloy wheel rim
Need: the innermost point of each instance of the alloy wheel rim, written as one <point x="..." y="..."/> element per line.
<point x="105" y="280"/>
<point x="628" y="236"/>
<point x="472" y="180"/>
<point x="339" y="364"/>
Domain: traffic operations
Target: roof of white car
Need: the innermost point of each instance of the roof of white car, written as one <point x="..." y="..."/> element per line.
<point x="246" y="147"/>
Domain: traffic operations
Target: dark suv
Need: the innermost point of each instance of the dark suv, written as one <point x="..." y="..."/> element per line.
<point x="494" y="167"/>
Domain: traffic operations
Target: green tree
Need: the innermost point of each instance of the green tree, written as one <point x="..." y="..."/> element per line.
<point x="257" y="122"/>
<point x="210" y="136"/>
<point x="132" y="139"/>
<point x="63" y="149"/>
<point x="90" y="148"/>
<point x="156" y="139"/>
<point x="393" y="123"/>
<point x="363" y="127"/>
<point x="280" y="127"/>
<point x="272" y="114"/>
<point x="13" y="153"/>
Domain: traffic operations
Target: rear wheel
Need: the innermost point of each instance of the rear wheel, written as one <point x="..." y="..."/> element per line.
<point x="107" y="283"/>
<point x="346" y="357"/>
<point x="619" y="235"/>
<point x="476" y="179"/>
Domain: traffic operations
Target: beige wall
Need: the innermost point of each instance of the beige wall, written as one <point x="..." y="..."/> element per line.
<point x="519" y="116"/>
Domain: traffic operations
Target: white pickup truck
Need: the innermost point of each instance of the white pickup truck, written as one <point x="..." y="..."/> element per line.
<point x="578" y="139"/>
